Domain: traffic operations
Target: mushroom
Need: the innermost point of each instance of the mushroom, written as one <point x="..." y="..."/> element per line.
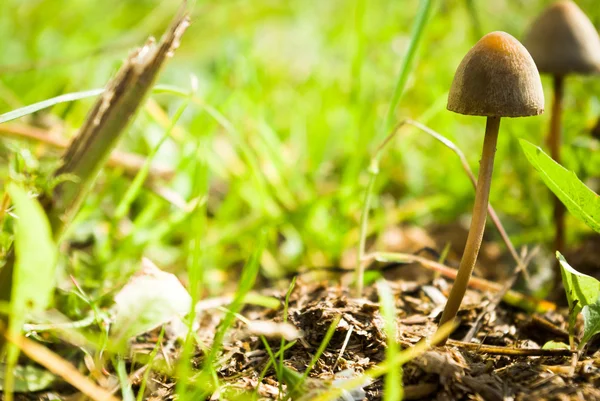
<point x="497" y="78"/>
<point x="562" y="41"/>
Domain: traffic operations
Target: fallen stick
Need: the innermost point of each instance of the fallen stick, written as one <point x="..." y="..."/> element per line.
<point x="511" y="297"/>
<point x="498" y="350"/>
<point x="60" y="367"/>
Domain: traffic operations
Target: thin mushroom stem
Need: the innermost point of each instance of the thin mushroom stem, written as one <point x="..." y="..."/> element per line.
<point x="374" y="171"/>
<point x="477" y="228"/>
<point x="554" y="141"/>
<point x="465" y="164"/>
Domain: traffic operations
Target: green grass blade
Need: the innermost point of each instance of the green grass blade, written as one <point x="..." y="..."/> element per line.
<point x="285" y="317"/>
<point x="126" y="390"/>
<point x="269" y="205"/>
<point x="323" y="345"/>
<point x="65" y="98"/>
<point x="359" y="52"/>
<point x="317" y="355"/>
<point x="142" y="390"/>
<point x="393" y="389"/>
<point x="33" y="278"/>
<point x="136" y="186"/>
<point x="415" y="38"/>
<point x="416" y="35"/>
<point x="247" y="280"/>
<point x="32" y="108"/>
<point x="196" y="260"/>
<point x="364" y="222"/>
<point x="272" y="362"/>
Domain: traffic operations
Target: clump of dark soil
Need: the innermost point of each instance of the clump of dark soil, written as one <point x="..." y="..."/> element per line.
<point x="482" y="369"/>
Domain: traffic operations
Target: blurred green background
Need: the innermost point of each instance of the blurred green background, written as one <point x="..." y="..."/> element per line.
<point x="294" y="95"/>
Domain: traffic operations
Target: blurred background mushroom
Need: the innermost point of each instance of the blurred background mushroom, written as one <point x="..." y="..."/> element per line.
<point x="562" y="41"/>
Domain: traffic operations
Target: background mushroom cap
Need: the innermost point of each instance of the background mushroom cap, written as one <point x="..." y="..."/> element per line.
<point x="563" y="40"/>
<point x="497" y="78"/>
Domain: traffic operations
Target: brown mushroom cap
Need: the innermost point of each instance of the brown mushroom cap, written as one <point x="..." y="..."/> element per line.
<point x="497" y="78"/>
<point x="562" y="40"/>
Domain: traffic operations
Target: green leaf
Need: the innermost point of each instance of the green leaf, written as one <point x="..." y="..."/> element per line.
<point x="581" y="289"/>
<point x="555" y="345"/>
<point x="28" y="379"/>
<point x="581" y="201"/>
<point x="591" y="322"/>
<point x="36" y="254"/>
<point x="33" y="278"/>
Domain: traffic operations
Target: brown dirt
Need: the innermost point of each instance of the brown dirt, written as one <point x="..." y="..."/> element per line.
<point x="457" y="371"/>
<point x="443" y="373"/>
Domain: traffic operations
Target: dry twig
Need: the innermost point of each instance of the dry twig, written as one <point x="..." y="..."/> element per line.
<point x="498" y="350"/>
<point x="511" y="297"/>
<point x="60" y="367"/>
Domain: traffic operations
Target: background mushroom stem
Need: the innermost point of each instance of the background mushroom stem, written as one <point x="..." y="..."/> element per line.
<point x="554" y="141"/>
<point x="476" y="230"/>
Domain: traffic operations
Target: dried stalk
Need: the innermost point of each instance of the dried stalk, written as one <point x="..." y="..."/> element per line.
<point x="59" y="366"/>
<point x="549" y="327"/>
<point x="109" y="117"/>
<point x="498" y="350"/>
<point x="511" y="297"/>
